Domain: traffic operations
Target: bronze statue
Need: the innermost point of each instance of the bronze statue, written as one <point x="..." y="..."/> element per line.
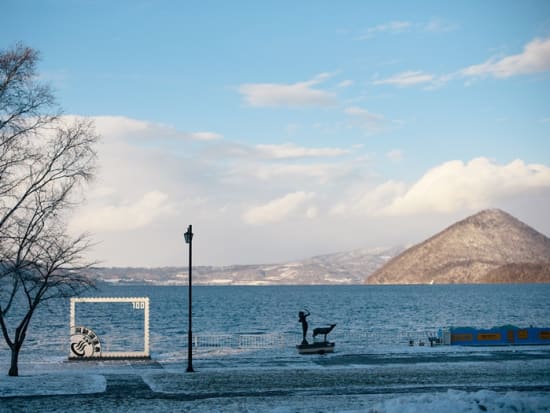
<point x="302" y="319"/>
<point x="317" y="347"/>
<point x="323" y="330"/>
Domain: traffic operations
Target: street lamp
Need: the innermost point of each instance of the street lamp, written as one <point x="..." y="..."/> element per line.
<point x="189" y="240"/>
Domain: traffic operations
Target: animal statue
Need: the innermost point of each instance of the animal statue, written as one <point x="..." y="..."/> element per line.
<point x="323" y="330"/>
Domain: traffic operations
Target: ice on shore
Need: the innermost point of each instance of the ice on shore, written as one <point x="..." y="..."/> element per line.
<point x="52" y="384"/>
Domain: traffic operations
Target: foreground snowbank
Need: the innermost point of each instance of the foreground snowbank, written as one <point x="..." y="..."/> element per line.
<point x="52" y="384"/>
<point x="465" y="402"/>
<point x="451" y="401"/>
<point x="239" y="395"/>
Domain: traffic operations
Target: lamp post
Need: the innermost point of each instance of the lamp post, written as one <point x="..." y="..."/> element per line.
<point x="189" y="240"/>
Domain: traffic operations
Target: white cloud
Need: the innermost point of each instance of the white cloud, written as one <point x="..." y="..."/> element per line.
<point x="124" y="216"/>
<point x="535" y="58"/>
<point x="289" y="150"/>
<point x="370" y="200"/>
<point x="294" y="95"/>
<point x="346" y="83"/>
<point x="371" y="122"/>
<point x="409" y="78"/>
<point x="456" y="185"/>
<point x="363" y="114"/>
<point x="395" y="155"/>
<point x="117" y="126"/>
<point x="438" y="25"/>
<point x="393" y="27"/>
<point x="290" y="172"/>
<point x="205" y="136"/>
<point x="448" y="188"/>
<point x="266" y="152"/>
<point x="279" y="209"/>
<point x="435" y="25"/>
<point x="312" y="212"/>
<point x="127" y="128"/>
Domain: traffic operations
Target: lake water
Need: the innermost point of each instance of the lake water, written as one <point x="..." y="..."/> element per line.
<point x="246" y="326"/>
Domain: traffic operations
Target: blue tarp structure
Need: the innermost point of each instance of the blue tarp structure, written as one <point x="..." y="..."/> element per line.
<point x="499" y="336"/>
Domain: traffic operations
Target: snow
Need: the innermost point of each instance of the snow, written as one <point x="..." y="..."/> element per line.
<point x="464" y="402"/>
<point x="250" y="390"/>
<point x="416" y="379"/>
<point x="52" y="384"/>
<point x="451" y="401"/>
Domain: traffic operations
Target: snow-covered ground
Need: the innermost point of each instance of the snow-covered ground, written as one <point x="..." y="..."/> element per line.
<point x="492" y="381"/>
<point x="52" y="384"/>
<point x="461" y="401"/>
<point x="457" y="401"/>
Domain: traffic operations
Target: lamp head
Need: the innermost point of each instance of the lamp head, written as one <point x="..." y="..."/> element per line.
<point x="188" y="235"/>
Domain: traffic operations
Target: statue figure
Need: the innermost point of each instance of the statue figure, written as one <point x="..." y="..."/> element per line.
<point x="302" y="319"/>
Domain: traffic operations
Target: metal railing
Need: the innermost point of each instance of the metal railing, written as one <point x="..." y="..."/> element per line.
<point x="279" y="340"/>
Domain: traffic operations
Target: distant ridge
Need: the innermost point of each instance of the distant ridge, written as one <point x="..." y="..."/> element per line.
<point x="349" y="267"/>
<point x="491" y="246"/>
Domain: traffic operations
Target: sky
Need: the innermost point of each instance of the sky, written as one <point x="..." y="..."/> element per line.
<point x="282" y="130"/>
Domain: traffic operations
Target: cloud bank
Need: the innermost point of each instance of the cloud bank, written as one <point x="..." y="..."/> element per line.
<point x="450" y="187"/>
<point x="125" y="216"/>
<point x="455" y="186"/>
<point x="146" y="192"/>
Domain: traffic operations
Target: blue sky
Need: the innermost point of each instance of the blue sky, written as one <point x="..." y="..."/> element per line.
<point x="282" y="130"/>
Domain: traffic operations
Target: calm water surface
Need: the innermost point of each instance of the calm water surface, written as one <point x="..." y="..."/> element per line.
<point x="368" y="318"/>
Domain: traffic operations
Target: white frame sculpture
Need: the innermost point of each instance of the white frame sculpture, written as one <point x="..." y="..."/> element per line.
<point x="141" y="303"/>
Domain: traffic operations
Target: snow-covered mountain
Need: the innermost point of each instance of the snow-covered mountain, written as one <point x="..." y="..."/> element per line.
<point x="350" y="267"/>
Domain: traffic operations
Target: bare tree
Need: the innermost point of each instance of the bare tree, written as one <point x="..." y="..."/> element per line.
<point x="44" y="163"/>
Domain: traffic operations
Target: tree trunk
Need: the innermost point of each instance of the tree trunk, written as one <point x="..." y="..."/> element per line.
<point x="14" y="369"/>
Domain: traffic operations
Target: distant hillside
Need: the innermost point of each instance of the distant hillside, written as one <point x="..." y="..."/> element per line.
<point x="489" y="247"/>
<point x="340" y="268"/>
<point x="519" y="273"/>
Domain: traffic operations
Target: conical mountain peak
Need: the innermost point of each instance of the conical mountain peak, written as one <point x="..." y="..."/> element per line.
<point x="468" y="250"/>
